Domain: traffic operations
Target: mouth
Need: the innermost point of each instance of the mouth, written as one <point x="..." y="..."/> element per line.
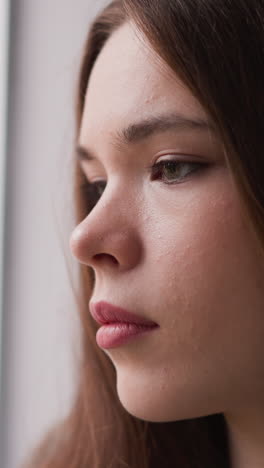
<point x="119" y="325"/>
<point x="105" y="314"/>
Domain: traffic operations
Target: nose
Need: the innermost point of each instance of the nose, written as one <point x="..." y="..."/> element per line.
<point x="109" y="235"/>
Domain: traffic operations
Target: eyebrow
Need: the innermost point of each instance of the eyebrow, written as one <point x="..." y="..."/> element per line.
<point x="139" y="131"/>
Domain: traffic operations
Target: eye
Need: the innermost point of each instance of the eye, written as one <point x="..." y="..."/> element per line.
<point x="173" y="171"/>
<point x="92" y="192"/>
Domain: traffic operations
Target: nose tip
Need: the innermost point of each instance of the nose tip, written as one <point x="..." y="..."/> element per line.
<point x="74" y="242"/>
<point x="108" y="236"/>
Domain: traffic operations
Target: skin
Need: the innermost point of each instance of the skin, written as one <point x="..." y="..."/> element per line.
<point x="181" y="255"/>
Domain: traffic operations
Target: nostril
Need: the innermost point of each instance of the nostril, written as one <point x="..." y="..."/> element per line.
<point x="103" y="257"/>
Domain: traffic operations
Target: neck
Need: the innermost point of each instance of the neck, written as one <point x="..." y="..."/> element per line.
<point x="246" y="438"/>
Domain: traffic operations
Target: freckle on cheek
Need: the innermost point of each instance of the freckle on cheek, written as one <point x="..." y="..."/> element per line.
<point x="163" y="378"/>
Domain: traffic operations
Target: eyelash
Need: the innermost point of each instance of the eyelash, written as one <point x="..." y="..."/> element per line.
<point x="90" y="189"/>
<point x="157" y="168"/>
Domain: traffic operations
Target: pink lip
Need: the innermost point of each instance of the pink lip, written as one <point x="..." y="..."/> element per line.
<point x="119" y="325"/>
<point x="116" y="334"/>
<point x="105" y="313"/>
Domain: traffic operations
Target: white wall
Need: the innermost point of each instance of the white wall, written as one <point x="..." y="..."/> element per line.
<point x="4" y="54"/>
<point x="40" y="326"/>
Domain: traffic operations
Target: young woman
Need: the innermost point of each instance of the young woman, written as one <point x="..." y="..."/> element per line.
<point x="169" y="190"/>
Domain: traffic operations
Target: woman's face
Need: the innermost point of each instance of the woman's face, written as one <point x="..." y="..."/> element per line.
<point x="176" y="247"/>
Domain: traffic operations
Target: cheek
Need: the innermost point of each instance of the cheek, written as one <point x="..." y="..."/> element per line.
<point x="197" y="251"/>
<point x="203" y="257"/>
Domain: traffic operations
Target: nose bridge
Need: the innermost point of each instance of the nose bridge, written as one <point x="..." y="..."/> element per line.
<point x="113" y="209"/>
<point x="110" y="228"/>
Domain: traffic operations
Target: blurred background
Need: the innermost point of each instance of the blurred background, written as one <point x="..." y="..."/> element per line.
<point x="41" y="45"/>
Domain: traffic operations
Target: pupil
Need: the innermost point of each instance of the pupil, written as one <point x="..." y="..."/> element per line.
<point x="170" y="166"/>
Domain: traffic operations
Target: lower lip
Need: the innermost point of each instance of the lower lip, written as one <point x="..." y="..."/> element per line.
<point x="116" y="334"/>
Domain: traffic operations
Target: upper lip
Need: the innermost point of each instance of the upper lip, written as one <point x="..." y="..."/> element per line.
<point x="105" y="313"/>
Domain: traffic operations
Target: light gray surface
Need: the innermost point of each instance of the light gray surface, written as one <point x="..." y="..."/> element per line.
<point x="40" y="326"/>
<point x="4" y="54"/>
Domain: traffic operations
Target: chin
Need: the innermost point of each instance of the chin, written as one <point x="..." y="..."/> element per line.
<point x="157" y="411"/>
<point x="151" y="405"/>
<point x="151" y="401"/>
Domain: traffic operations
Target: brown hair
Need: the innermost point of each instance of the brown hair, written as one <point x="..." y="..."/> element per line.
<point x="217" y="49"/>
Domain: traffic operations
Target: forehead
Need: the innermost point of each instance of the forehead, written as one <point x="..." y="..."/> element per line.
<point x="130" y="80"/>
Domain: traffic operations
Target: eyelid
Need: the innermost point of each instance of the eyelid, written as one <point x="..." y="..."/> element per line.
<point x="91" y="177"/>
<point x="179" y="156"/>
